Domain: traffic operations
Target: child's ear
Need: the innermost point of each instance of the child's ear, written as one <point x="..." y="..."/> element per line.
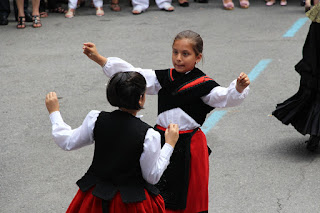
<point x="199" y="57"/>
<point x="142" y="100"/>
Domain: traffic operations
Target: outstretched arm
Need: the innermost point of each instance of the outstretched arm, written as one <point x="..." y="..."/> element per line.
<point x="233" y="95"/>
<point x="64" y="136"/>
<point x="116" y="64"/>
<point x="113" y="65"/>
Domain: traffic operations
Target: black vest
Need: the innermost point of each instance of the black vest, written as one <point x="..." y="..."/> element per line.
<point x="185" y="91"/>
<point x="119" y="138"/>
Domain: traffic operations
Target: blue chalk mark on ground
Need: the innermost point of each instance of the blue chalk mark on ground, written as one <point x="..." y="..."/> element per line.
<point x="255" y="72"/>
<point x="295" y="27"/>
<point x="214" y="118"/>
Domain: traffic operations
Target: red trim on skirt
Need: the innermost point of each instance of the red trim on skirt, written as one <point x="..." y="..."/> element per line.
<point x="198" y="192"/>
<point x="85" y="202"/>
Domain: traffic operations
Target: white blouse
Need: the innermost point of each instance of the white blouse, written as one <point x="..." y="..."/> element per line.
<point x="218" y="97"/>
<point x="153" y="160"/>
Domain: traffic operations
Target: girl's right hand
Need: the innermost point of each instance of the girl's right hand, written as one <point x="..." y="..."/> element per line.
<point x="172" y="134"/>
<point x="90" y="50"/>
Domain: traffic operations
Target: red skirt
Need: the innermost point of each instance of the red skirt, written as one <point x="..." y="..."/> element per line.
<point x="85" y="202"/>
<point x="198" y="189"/>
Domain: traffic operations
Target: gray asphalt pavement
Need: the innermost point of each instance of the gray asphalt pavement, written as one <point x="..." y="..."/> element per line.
<point x="258" y="165"/>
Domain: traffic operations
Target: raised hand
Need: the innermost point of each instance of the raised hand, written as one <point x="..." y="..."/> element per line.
<point x="52" y="102"/>
<point x="242" y="82"/>
<point x="90" y="50"/>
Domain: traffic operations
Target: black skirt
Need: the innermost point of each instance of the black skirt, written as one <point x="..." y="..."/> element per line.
<point x="302" y="110"/>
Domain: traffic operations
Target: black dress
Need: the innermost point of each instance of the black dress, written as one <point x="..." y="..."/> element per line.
<point x="302" y="110"/>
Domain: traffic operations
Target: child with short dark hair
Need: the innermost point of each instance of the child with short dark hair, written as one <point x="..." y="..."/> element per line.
<point x="185" y="96"/>
<point x="128" y="158"/>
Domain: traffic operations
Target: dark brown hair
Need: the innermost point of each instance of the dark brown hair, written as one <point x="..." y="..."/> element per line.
<point x="195" y="39"/>
<point x="125" y="89"/>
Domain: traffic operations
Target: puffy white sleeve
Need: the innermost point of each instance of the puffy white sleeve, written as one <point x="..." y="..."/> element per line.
<point x="115" y="65"/>
<point x="154" y="160"/>
<point x="221" y="97"/>
<point x="70" y="139"/>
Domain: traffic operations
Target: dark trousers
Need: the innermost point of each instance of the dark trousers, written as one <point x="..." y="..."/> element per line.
<point x="5" y="7"/>
<point x="53" y="4"/>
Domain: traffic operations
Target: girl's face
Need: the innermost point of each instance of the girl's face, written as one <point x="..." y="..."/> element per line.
<point x="183" y="56"/>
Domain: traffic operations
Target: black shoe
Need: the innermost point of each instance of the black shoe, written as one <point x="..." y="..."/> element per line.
<point x="313" y="143"/>
<point x="184" y="4"/>
<point x="201" y="1"/>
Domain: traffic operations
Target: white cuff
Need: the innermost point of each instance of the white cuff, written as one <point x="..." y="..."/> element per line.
<point x="166" y="151"/>
<point x="55" y="117"/>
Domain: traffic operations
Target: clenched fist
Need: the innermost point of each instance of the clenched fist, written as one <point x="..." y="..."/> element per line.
<point x="52" y="102"/>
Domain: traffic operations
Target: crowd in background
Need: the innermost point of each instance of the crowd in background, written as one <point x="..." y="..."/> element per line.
<point x="41" y="8"/>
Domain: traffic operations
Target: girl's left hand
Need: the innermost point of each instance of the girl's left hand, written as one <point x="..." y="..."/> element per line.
<point x="242" y="82"/>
